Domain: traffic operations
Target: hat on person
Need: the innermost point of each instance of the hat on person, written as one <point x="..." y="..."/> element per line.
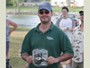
<point x="45" y="5"/>
<point x="81" y="13"/>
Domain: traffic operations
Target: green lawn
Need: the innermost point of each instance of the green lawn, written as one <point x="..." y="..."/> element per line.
<point x="35" y="8"/>
<point x="16" y="39"/>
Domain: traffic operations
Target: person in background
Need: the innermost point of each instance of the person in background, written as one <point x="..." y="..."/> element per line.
<point x="67" y="24"/>
<point x="8" y="33"/>
<point x="78" y="43"/>
<point x="46" y="36"/>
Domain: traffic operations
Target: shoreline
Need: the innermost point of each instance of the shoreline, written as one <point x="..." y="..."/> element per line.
<point x="27" y="12"/>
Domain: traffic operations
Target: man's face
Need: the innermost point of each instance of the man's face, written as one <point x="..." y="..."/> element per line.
<point x="45" y="15"/>
<point x="64" y="12"/>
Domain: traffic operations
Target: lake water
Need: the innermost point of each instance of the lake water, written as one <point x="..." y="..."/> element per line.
<point x="28" y="20"/>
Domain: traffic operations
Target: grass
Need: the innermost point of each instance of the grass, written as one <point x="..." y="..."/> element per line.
<point x="58" y="9"/>
<point x="16" y="39"/>
<point x="35" y="8"/>
<point x="32" y="10"/>
<point x="22" y="28"/>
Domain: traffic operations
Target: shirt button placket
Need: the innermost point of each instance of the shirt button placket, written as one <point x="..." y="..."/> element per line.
<point x="41" y="35"/>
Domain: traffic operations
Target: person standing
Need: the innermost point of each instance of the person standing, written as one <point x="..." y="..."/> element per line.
<point x="67" y="24"/>
<point x="46" y="36"/>
<point x="8" y="33"/>
<point x="78" y="43"/>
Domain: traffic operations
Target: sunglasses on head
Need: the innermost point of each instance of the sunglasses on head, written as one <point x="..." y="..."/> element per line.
<point x="46" y="12"/>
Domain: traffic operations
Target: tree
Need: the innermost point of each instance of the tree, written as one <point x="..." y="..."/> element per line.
<point x="17" y="3"/>
<point x="68" y="3"/>
<point x="48" y="0"/>
<point x="8" y="2"/>
<point x="25" y="0"/>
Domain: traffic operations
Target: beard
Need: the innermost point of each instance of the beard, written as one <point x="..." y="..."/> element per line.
<point x="45" y="21"/>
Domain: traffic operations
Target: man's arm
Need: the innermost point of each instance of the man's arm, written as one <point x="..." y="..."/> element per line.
<point x="64" y="57"/>
<point x="71" y="29"/>
<point x="73" y="25"/>
<point x="64" y="29"/>
<point x="58" y="22"/>
<point x="28" y="58"/>
<point x="9" y="22"/>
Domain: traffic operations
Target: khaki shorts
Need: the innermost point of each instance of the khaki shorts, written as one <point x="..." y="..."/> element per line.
<point x="77" y="65"/>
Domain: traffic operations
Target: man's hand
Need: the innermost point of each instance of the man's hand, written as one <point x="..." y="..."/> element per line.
<point x="63" y="29"/>
<point x="52" y="60"/>
<point x="69" y="61"/>
<point x="70" y="29"/>
<point x="29" y="59"/>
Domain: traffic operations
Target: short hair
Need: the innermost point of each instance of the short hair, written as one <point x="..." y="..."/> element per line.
<point x="81" y="13"/>
<point x="65" y="8"/>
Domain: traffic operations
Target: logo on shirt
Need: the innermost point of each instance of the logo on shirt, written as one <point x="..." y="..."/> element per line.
<point x="49" y="38"/>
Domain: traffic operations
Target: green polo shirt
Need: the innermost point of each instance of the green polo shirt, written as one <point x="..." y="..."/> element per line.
<point x="54" y="40"/>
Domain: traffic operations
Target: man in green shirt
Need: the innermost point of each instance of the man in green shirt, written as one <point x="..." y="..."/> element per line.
<point x="49" y="37"/>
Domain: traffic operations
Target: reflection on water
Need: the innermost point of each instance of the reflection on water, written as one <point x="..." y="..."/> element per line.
<point x="28" y="20"/>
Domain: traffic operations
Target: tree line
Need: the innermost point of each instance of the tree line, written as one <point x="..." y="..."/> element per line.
<point x="16" y="2"/>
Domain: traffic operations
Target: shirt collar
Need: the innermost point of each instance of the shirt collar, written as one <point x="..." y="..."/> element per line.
<point x="37" y="27"/>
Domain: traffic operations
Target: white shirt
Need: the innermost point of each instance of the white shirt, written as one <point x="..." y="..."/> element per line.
<point x="78" y="44"/>
<point x="64" y="23"/>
